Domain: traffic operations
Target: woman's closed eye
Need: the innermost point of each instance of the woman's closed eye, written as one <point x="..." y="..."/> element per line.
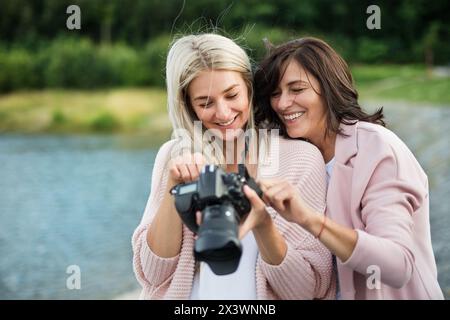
<point x="232" y="96"/>
<point x="210" y="103"/>
<point x="206" y="105"/>
<point x="297" y="90"/>
<point x="277" y="94"/>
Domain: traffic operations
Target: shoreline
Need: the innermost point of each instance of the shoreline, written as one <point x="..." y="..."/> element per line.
<point x="131" y="295"/>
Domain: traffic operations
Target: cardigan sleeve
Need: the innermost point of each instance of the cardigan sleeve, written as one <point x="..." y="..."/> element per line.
<point x="150" y="269"/>
<point x="388" y="204"/>
<point x="306" y="271"/>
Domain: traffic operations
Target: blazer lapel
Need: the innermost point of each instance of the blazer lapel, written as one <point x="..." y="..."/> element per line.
<point x="339" y="196"/>
<point x="340" y="185"/>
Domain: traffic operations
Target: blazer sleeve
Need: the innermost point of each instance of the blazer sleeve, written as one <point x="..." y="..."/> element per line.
<point x="306" y="271"/>
<point x="396" y="189"/>
<point x="150" y="269"/>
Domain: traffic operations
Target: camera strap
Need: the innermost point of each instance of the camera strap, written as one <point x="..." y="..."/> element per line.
<point x="241" y="166"/>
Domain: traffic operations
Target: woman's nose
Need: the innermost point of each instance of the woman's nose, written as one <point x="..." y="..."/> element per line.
<point x="223" y="111"/>
<point x="284" y="101"/>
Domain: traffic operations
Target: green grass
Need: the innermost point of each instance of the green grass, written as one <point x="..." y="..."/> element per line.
<point x="144" y="110"/>
<point x="407" y="83"/>
<point x="65" y="111"/>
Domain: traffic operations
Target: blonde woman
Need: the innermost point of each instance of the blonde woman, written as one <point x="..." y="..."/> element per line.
<point x="209" y="82"/>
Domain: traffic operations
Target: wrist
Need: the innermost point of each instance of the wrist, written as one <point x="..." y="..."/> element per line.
<point x="305" y="216"/>
<point x="314" y="223"/>
<point x="265" y="225"/>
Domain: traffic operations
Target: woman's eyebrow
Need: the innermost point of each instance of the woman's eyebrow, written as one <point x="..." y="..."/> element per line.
<point x="230" y="87"/>
<point x="224" y="91"/>
<point x="201" y="98"/>
<point x="296" y="82"/>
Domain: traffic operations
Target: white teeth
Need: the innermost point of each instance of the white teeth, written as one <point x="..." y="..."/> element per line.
<point x="226" y="123"/>
<point x="293" y="116"/>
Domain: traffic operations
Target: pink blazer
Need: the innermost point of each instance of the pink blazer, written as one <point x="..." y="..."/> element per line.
<point x="378" y="188"/>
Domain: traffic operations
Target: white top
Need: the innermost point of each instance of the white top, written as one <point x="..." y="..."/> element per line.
<point x="329" y="168"/>
<point x="239" y="285"/>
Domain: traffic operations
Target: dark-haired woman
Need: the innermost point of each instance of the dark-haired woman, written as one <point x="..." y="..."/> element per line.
<point x="377" y="217"/>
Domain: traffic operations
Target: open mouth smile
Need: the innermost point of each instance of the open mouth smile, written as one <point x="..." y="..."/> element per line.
<point x="226" y="124"/>
<point x="292" y="116"/>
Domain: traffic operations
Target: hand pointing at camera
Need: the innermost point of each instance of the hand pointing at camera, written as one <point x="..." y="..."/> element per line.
<point x="285" y="199"/>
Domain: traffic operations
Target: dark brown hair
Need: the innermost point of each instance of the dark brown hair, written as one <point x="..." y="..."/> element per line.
<point x="331" y="71"/>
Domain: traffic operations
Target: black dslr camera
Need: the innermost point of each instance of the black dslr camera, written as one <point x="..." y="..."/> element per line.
<point x="221" y="199"/>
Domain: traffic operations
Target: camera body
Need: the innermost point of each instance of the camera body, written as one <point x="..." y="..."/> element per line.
<point x="221" y="199"/>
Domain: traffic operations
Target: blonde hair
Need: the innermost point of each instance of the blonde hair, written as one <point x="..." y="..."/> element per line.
<point x="187" y="57"/>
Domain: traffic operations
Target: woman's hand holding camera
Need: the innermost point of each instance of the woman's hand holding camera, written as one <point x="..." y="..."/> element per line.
<point x="165" y="235"/>
<point x="185" y="168"/>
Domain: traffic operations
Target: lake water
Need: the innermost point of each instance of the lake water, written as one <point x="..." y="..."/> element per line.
<point x="75" y="200"/>
<point x="69" y="201"/>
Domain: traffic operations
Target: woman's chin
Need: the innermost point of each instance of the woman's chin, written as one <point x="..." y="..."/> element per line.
<point x="294" y="133"/>
<point x="232" y="133"/>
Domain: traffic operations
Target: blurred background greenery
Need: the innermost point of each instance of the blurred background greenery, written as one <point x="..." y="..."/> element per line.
<point x="96" y="79"/>
<point x="83" y="112"/>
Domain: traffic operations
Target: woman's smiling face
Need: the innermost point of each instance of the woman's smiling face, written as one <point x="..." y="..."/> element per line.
<point x="298" y="103"/>
<point x="220" y="100"/>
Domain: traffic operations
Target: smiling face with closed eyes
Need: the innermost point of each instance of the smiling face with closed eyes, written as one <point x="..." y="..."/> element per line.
<point x="220" y="99"/>
<point x="298" y="103"/>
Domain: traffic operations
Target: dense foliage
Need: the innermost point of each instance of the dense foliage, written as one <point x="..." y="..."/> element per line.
<point x="123" y="43"/>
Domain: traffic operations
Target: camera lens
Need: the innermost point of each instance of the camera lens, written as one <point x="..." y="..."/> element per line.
<point x="218" y="243"/>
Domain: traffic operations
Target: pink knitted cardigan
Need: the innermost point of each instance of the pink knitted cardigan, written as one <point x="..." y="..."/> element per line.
<point x="306" y="271"/>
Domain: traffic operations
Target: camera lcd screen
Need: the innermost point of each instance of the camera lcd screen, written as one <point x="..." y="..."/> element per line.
<point x="188" y="188"/>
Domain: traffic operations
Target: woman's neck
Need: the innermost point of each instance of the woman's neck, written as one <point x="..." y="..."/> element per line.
<point x="235" y="149"/>
<point x="326" y="146"/>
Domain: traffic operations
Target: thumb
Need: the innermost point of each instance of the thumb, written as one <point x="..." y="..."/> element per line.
<point x="254" y="199"/>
